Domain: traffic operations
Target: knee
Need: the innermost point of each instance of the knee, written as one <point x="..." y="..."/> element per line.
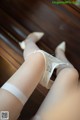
<point x="70" y="77"/>
<point x="72" y="72"/>
<point x="39" y="60"/>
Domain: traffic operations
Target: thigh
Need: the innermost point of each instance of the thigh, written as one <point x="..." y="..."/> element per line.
<point x="65" y="81"/>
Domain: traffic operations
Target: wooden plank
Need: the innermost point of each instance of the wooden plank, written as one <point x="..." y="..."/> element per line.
<point x="59" y="23"/>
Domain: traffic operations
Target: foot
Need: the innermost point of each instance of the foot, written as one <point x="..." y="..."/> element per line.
<point x="35" y="36"/>
<point x="60" y="54"/>
<point x="60" y="51"/>
<point x="32" y="37"/>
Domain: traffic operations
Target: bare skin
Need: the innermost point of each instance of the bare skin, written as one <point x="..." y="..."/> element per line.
<point x="27" y="82"/>
<point x="62" y="89"/>
<point x="62" y="101"/>
<point x="24" y="81"/>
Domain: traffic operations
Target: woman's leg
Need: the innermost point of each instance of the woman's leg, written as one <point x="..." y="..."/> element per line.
<point x="60" y="54"/>
<point x="30" y="43"/>
<point x="30" y="47"/>
<point x="65" y="82"/>
<point x="25" y="79"/>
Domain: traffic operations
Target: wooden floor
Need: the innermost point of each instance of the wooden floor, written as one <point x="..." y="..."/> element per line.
<point x="20" y="17"/>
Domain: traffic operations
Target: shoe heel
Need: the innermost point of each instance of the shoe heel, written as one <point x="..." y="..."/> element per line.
<point x="62" y="46"/>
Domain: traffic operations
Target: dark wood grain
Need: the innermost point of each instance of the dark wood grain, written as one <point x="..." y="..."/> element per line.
<point x="20" y="17"/>
<point x="63" y="24"/>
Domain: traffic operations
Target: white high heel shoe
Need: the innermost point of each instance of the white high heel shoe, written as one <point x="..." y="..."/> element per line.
<point x="51" y="62"/>
<point x="62" y="46"/>
<point x="35" y="36"/>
